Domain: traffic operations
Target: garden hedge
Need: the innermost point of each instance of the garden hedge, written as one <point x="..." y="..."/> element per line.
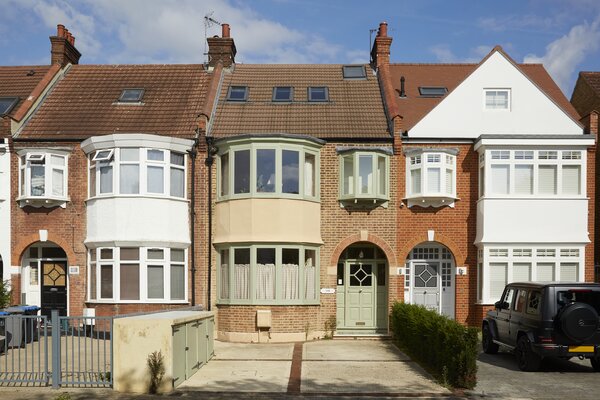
<point x="442" y="346"/>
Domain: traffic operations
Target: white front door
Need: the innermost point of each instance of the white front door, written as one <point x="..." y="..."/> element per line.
<point x="425" y="285"/>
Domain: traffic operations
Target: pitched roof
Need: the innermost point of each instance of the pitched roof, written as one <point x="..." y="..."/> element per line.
<point x="586" y="94"/>
<point x="354" y="110"/>
<point x="85" y="102"/>
<point x="593" y="79"/>
<point x="414" y="107"/>
<point x="20" y="82"/>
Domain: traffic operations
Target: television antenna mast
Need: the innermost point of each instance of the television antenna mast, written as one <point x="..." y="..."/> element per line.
<point x="209" y="22"/>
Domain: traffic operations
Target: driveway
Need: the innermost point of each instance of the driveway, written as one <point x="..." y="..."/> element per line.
<point x="499" y="377"/>
<point x="335" y="368"/>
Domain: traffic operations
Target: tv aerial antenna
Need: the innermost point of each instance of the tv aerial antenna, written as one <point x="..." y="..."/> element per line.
<point x="209" y="22"/>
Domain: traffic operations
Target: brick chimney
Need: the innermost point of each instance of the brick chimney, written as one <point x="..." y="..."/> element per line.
<point x="221" y="49"/>
<point x="380" y="54"/>
<point x="63" y="49"/>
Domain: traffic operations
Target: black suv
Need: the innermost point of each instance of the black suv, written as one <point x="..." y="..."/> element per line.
<point x="539" y="320"/>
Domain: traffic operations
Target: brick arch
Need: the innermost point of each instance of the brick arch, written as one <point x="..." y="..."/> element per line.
<point x="459" y="257"/>
<point x="25" y="241"/>
<point x="373" y="239"/>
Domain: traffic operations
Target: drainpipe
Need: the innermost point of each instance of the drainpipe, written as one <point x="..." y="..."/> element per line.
<point x="211" y="151"/>
<point x="192" y="153"/>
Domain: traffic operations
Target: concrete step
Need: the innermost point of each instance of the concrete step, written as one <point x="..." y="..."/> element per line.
<point x="361" y="336"/>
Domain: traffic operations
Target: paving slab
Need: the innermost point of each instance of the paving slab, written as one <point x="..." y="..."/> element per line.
<point x="253" y="351"/>
<point x="353" y="350"/>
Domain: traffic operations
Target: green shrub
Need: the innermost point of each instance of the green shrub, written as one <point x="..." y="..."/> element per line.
<point x="4" y="293"/>
<point x="444" y="347"/>
<point x="156" y="365"/>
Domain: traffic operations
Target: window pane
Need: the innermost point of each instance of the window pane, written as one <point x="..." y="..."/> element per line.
<point x="156" y="282"/>
<point x="310" y="274"/>
<point x="433" y="180"/>
<point x="415" y="181"/>
<point x="241" y="274"/>
<point x="382" y="176"/>
<point x="57" y="160"/>
<point x="93" y="278"/>
<point x="177" y="182"/>
<point x="156" y="254"/>
<point x="290" y="171"/>
<point x="92" y="182"/>
<point x="449" y="182"/>
<point x="156" y="155"/>
<point x="521" y="272"/>
<point x="130" y="281"/>
<point x="365" y="174"/>
<point x="545" y="272"/>
<point x="58" y="183"/>
<point x="177" y="255"/>
<point x="130" y="179"/>
<point x="500" y="182"/>
<point x="481" y="181"/>
<point x="547" y="179"/>
<point x="224" y="274"/>
<point x="497" y="280"/>
<point x="177" y="282"/>
<point x="106" y="254"/>
<point x="130" y="253"/>
<point x="571" y="179"/>
<point x="177" y="159"/>
<point x="568" y="272"/>
<point x="265" y="274"/>
<point x="225" y="174"/>
<point x="38" y="178"/>
<point x="309" y="175"/>
<point x="106" y="281"/>
<point x="290" y="273"/>
<point x="242" y="172"/>
<point x="156" y="179"/>
<point x="265" y="170"/>
<point x="106" y="179"/>
<point x="348" y="175"/>
<point x="130" y="154"/>
<point x="524" y="179"/>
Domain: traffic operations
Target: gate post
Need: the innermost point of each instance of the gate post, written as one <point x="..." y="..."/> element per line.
<point x="55" y="349"/>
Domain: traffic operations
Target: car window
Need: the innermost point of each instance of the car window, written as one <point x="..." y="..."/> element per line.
<point x="581" y="296"/>
<point x="521" y="301"/>
<point x="508" y="296"/>
<point x="534" y="303"/>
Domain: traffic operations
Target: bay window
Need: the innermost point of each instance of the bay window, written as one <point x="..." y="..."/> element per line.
<point x="430" y="177"/>
<point x="137" y="274"/>
<point x="267" y="168"/>
<point x="43" y="178"/>
<point x="268" y="274"/>
<point x="364" y="176"/>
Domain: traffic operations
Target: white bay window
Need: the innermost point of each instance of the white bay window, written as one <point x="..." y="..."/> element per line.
<point x="430" y="177"/>
<point x="43" y="178"/>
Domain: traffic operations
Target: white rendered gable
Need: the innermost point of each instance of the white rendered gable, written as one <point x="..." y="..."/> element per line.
<point x="462" y="113"/>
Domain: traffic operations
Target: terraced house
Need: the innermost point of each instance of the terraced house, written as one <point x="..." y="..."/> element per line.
<point x="296" y="200"/>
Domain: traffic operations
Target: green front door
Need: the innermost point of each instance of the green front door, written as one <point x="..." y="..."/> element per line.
<point x="360" y="295"/>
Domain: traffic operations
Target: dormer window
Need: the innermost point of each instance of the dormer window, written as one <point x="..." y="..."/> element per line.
<point x="318" y="94"/>
<point x="283" y="93"/>
<point x="497" y="99"/>
<point x="131" y="96"/>
<point x="42" y="178"/>
<point x="237" y="93"/>
<point x="432" y="91"/>
<point x="364" y="177"/>
<point x="431" y="177"/>
<point x="354" y="72"/>
<point x="7" y="104"/>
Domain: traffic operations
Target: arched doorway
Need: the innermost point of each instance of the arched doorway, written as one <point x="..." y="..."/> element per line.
<point x="44" y="278"/>
<point x="362" y="290"/>
<point x="430" y="278"/>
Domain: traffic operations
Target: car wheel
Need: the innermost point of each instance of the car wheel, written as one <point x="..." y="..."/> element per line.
<point x="526" y="358"/>
<point x="487" y="341"/>
<point x="595" y="363"/>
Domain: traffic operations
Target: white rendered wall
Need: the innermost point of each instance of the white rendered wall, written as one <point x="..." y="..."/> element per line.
<point x="5" y="210"/>
<point x="532" y="221"/>
<point x="137" y="221"/>
<point x="462" y="115"/>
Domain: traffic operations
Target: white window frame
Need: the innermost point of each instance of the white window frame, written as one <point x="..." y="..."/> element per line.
<point x="99" y="157"/>
<point x="29" y="158"/>
<point x="144" y="261"/>
<point x="494" y="108"/>
<point x="546" y="156"/>
<point x="375" y="192"/>
<point x="423" y="161"/>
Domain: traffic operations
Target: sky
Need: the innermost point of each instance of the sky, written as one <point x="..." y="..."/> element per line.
<point x="564" y="35"/>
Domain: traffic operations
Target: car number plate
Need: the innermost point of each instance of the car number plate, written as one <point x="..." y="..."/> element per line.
<point x="581" y="349"/>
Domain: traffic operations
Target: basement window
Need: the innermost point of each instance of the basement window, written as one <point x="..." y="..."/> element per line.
<point x="432" y="91"/>
<point x="237" y="93"/>
<point x="283" y="93"/>
<point x="354" y="72"/>
<point x="320" y="93"/>
<point x="7" y="104"/>
<point x="131" y="95"/>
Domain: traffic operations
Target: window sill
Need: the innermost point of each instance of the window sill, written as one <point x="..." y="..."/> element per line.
<point x="148" y="301"/>
<point x="364" y="202"/>
<point x="435" y="201"/>
<point x="136" y="196"/>
<point x="46" y="202"/>
<point x="268" y="196"/>
<point x="268" y="303"/>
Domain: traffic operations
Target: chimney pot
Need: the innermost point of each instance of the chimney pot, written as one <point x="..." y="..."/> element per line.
<point x="382" y="29"/>
<point x="63" y="49"/>
<point x="60" y="30"/>
<point x="226" y="30"/>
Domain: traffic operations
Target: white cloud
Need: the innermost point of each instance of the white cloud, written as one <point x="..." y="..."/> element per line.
<point x="444" y="54"/>
<point x="523" y="23"/>
<point x="566" y="53"/>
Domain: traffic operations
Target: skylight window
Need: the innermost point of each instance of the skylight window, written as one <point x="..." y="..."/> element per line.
<point x="318" y="94"/>
<point x="7" y="104"/>
<point x="432" y="91"/>
<point x="131" y="95"/>
<point x="354" y="72"/>
<point x="237" y="93"/>
<point x="283" y="93"/>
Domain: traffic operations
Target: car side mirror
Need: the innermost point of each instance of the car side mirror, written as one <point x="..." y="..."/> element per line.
<point x="499" y="305"/>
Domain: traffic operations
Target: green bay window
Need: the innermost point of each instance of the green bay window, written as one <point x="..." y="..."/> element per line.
<point x="364" y="176"/>
<point x="268" y="274"/>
